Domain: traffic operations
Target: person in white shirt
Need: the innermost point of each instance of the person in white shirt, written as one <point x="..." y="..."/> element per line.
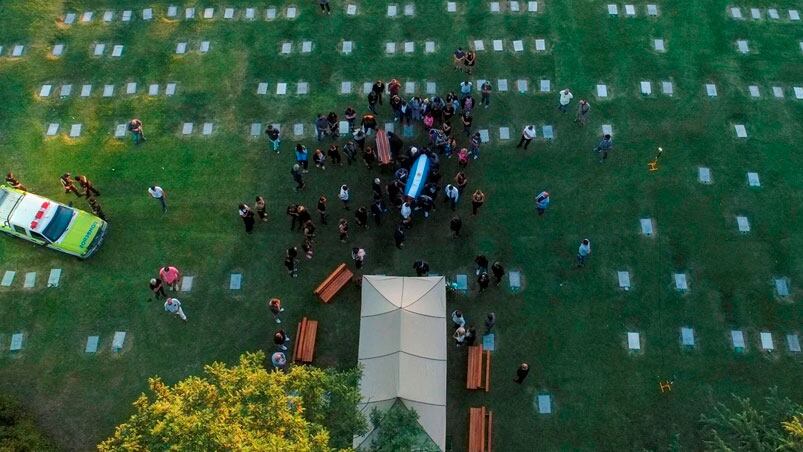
<point x="406" y="213"/>
<point x="565" y="97"/>
<point x="527" y="135"/>
<point x="458" y="320"/>
<point x="452" y="195"/>
<point x="459" y="336"/>
<point x="344" y="196"/>
<point x="173" y="306"/>
<point x="583" y="252"/>
<point x="159" y="194"/>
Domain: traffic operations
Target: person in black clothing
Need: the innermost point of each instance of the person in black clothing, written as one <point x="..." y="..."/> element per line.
<point x="361" y="216"/>
<point x="467" y="120"/>
<point x="398" y="236"/>
<point x="322" y="208"/>
<point x="372" y="101"/>
<point x="376" y="211"/>
<point x="421" y="268"/>
<point x="521" y="372"/>
<point x="350" y="114"/>
<point x="483" y="280"/>
<point x="334" y="124"/>
<point x="350" y="149"/>
<point x="455" y="225"/>
<point x="324" y="9"/>
<point x="334" y="155"/>
<point x="248" y="217"/>
<point x="490" y="322"/>
<point x="96" y="209"/>
<point x="290" y="261"/>
<point x="471" y="336"/>
<point x="157" y="287"/>
<point x="498" y="271"/>
<point x="303" y="215"/>
<point x="426" y="204"/>
<point x="378" y="89"/>
<point x="292" y="212"/>
<point x="297" y="177"/>
<point x="376" y="187"/>
<point x="359" y="138"/>
<point x="482" y="263"/>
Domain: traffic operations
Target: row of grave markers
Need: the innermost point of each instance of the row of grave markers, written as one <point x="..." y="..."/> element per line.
<point x="29" y="282"/>
<point x="271" y="12"/>
<point x="630" y="10"/>
<point x="681" y="283"/>
<point x="92" y="342"/>
<point x="772" y="13"/>
<point x="738" y="341"/>
<point x="108" y="90"/>
<point x="742" y="223"/>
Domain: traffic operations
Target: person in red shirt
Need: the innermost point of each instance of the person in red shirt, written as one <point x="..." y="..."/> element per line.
<point x="170" y="276"/>
<point x="393" y="87"/>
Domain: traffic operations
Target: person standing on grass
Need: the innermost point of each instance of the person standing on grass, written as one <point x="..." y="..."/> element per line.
<point x="290" y="261"/>
<point x="459" y="336"/>
<point x="452" y="195"/>
<point x="407" y="214"/>
<point x="378" y="89"/>
<point x="343" y="230"/>
<point x="170" y="276"/>
<point x="297" y="177"/>
<point x="319" y="159"/>
<point x="361" y="216"/>
<point x="303" y="215"/>
<point x="466" y="119"/>
<point x="334" y="154"/>
<point x="173" y="306"/>
<point x="455" y="225"/>
<point x="458" y="59"/>
<point x="344" y="196"/>
<point x="273" y="137"/>
<point x="394" y="87"/>
<point x="421" y="268"/>
<point x="474" y="145"/>
<point x="262" y="208"/>
<point x="465" y="89"/>
<point x="292" y="212"/>
<point x="398" y="236"/>
<point x="490" y="322"/>
<point x="486" y="89"/>
<point x="350" y="115"/>
<point x="358" y="254"/>
<point x="521" y="373"/>
<point x="309" y="230"/>
<point x="457" y="319"/>
<point x="325" y="6"/>
<point x="471" y="336"/>
<point x="321" y="127"/>
<point x="275" y="307"/>
<point x="88" y="186"/>
<point x="280" y="339"/>
<point x="306" y="247"/>
<point x="460" y="181"/>
<point x="97" y="210"/>
<point x="477" y="200"/>
<point x="333" y="124"/>
<point x="373" y="99"/>
<point x="583" y="107"/>
<point x="377" y="210"/>
<point x="66" y="181"/>
<point x="302" y="157"/>
<point x="482" y="264"/>
<point x="565" y="98"/>
<point x="158" y="288"/>
<point x="542" y="202"/>
<point x="498" y="271"/>
<point x="248" y="217"/>
<point x="583" y="252"/>
<point x="322" y="201"/>
<point x="470" y="61"/>
<point x="155" y="191"/>
<point x="368" y="123"/>
<point x="604" y="146"/>
<point x="527" y="135"/>
<point x="483" y="280"/>
<point x="137" y="134"/>
<point x="350" y="149"/>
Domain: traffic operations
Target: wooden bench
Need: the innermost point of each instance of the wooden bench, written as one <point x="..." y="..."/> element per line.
<point x="480" y="429"/>
<point x="333" y="283"/>
<point x="475" y="371"/>
<point x="305" y="341"/>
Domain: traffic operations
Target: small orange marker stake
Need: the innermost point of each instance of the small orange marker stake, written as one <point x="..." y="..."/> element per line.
<point x="666" y="386"/>
<point x="653" y="165"/>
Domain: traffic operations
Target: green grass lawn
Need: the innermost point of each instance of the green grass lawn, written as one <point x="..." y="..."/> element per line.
<point x="569" y="324"/>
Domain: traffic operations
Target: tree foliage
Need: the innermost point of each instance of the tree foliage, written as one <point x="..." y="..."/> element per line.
<point x="18" y="431"/>
<point x="776" y="427"/>
<point x="398" y="430"/>
<point x="244" y="407"/>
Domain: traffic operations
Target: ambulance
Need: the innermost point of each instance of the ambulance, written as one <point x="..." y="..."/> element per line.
<point x="49" y="223"/>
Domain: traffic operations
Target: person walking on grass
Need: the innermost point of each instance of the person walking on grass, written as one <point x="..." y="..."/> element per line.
<point x="66" y="181"/>
<point x="248" y="217"/>
<point x="421" y="268"/>
<point x="158" y="288"/>
<point x="290" y="261"/>
<point x="477" y="200"/>
<point x="399" y="236"/>
<point x="358" y="254"/>
<point x="344" y="196"/>
<point x="485" y="90"/>
<point x="309" y="230"/>
<point x="88" y="186"/>
<point x="542" y="202"/>
<point x="343" y="230"/>
<point x="377" y="210"/>
<point x="373" y="99"/>
<point x="275" y="307"/>
<point x="156" y="193"/>
<point x="170" y="276"/>
<point x="350" y="114"/>
<point x="319" y="158"/>
<point x="583" y="108"/>
<point x="173" y="306"/>
<point x="334" y="154"/>
<point x="137" y="134"/>
<point x="455" y="225"/>
<point x="527" y="135"/>
<point x="262" y="208"/>
<point x="583" y="252"/>
<point x="498" y="271"/>
<point x="322" y="201"/>
<point x="521" y="372"/>
<point x="378" y="88"/>
<point x="281" y="339"/>
<point x="298" y="177"/>
<point x="274" y="137"/>
<point x="97" y="210"/>
<point x="452" y="195"/>
<point x="604" y="146"/>
<point x="565" y="98"/>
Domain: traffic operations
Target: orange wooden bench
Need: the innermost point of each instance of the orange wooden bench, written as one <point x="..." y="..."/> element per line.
<point x="333" y="283"/>
<point x="480" y="429"/>
<point x="382" y="147"/>
<point x="305" y="341"/>
<point x="475" y="370"/>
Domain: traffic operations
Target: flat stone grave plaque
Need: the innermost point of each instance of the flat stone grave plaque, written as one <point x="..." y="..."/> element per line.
<point x="189" y="13"/>
<point x="86" y="90"/>
<point x="298" y="129"/>
<point x="736" y="12"/>
<point x="502" y="84"/>
<point x="99" y="49"/>
<point x="544" y="404"/>
<point x="680" y="282"/>
<point x="432" y="88"/>
<point x="754" y="91"/>
<point x="737" y="338"/>
<point x="793" y="343"/>
<point x="498" y="45"/>
<point x="532" y="7"/>
<point x="343" y="128"/>
<point x="607" y="129"/>
<point x="86" y="17"/>
<point x="753" y="180"/>
<point x="461" y="283"/>
<point x="667" y="88"/>
<point x="704" y="175"/>
<point x="646" y="227"/>
<point x="633" y="341"/>
<point x="207" y="129"/>
<point x="236" y="281"/>
<point x="687" y="337"/>
<point x="228" y="13"/>
<point x="451" y="7"/>
<point x="306" y="46"/>
<point x="170" y="89"/>
<point x="613" y="10"/>
<point x="518" y="45"/>
<point x="711" y="90"/>
<point x="75" y="131"/>
<point x="409" y="47"/>
<point x="658" y="44"/>
<point x="54" y="278"/>
<point x="69" y="18"/>
<point x="8" y="278"/>
<point x="186" y="283"/>
<point x="256" y="129"/>
<point x="624" y="279"/>
<point x="52" y="129"/>
<point x="777" y="91"/>
<point x="630" y="10"/>
<point x="390" y="47"/>
<point x="794" y="15"/>
<point x="153" y="90"/>
<point x="646" y="88"/>
<point x="514" y="7"/>
<point x="742" y="46"/>
<point x="521" y="85"/>
<point x="390" y="127"/>
<point x="351" y="9"/>
<point x="66" y="90"/>
<point x="127" y="14"/>
<point x="345" y="87"/>
<point x="495" y="7"/>
<point x="485" y="137"/>
<point x="514" y="279"/>
<point x="131" y="88"/>
<point x="204" y="47"/>
<point x="108" y="90"/>
<point x="743" y="224"/>
<point x="347" y="47"/>
<point x="172" y="11"/>
<point x="766" y="341"/>
<point x="409" y="9"/>
<point x="16" y="342"/>
<point x="602" y="90"/>
<point x="393" y="10"/>
<point x="92" y="344"/>
<point x="147" y="14"/>
<point x="281" y="88"/>
<point x="652" y="10"/>
<point x="488" y="342"/>
<point x="772" y="13"/>
<point x="119" y="131"/>
<point x="58" y="50"/>
<point x="302" y="88"/>
<point x="186" y="129"/>
<point x="479" y="45"/>
<point x="782" y="287"/>
<point x="540" y="45"/>
<point x="45" y="90"/>
<point x="250" y="13"/>
<point x="549" y="132"/>
<point x="181" y="48"/>
<point x="755" y="13"/>
<point x="209" y="13"/>
<point x="741" y="132"/>
<point x="409" y="87"/>
<point x="504" y="133"/>
<point x="117" y="342"/>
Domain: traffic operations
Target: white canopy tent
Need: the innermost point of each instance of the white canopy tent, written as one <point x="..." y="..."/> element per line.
<point x="403" y="349"/>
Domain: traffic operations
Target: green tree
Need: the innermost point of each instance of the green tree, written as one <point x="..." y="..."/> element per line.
<point x="18" y="431"/>
<point x="398" y="430"/>
<point x="243" y="407"/>
<point x="775" y="427"/>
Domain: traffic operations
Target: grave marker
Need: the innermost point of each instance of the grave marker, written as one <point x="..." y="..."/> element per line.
<point x="498" y="45"/>
<point x="687" y="337"/>
<point x="306" y="47"/>
<point x="298" y="129"/>
<point x="75" y="131"/>
<point x="794" y="15"/>
<point x="766" y="341"/>
<point x="540" y="45"/>
<point x="646" y="88"/>
<point x="181" y="48"/>
<point x="58" y="50"/>
<point x="782" y="287"/>
<point x="189" y="13"/>
<point x="630" y="10"/>
<point x="741" y="44"/>
<point x="777" y="91"/>
<point x="479" y="45"/>
<point x="798" y="92"/>
<point x="108" y="90"/>
<point x="754" y="91"/>
<point x="131" y="88"/>
<point x="549" y="133"/>
<point x="172" y="11"/>
<point x="488" y="342"/>
<point x="613" y="10"/>
<point x="624" y="279"/>
<point x="607" y="129"/>
<point x="514" y="7"/>
<point x="235" y="281"/>
<point x="755" y="13"/>
<point x="92" y="344"/>
<point x="302" y="88"/>
<point x="8" y="278"/>
<point x="646" y="227"/>
<point x="250" y="13"/>
<point x="521" y="85"/>
<point x="432" y="88"/>
<point x="741" y="132"/>
<point x="45" y="90"/>
<point x="409" y="9"/>
<point x="345" y="87"/>
<point x="207" y="128"/>
<point x="793" y="343"/>
<point x="153" y="90"/>
<point x="147" y="14"/>
<point x="658" y="44"/>
<point x="170" y="89"/>
<point x="736" y="12"/>
<point x="281" y="88"/>
<point x="652" y="10"/>
<point x="495" y="8"/>
<point x="752" y="180"/>
<point x="504" y="133"/>
<point x="262" y="88"/>
<point x="409" y="87"/>
<point x="502" y="85"/>
<point x="347" y="47"/>
<point x="451" y="7"/>
<point x="681" y="283"/>
<point x="99" y="48"/>
<point x="485" y="137"/>
<point x="390" y="48"/>
<point x="704" y="175"/>
<point x="69" y="18"/>
<point x="773" y="14"/>
<point x="711" y="89"/>
<point x="186" y="283"/>
<point x="737" y="338"/>
<point x="256" y="129"/>
<point x="743" y="223"/>
<point x="209" y="13"/>
<point x="66" y="90"/>
<point x="52" y="129"/>
<point x="16" y="342"/>
<point x="86" y="17"/>
<point x="119" y="131"/>
<point x="602" y="90"/>
<point x="127" y="14"/>
<point x="409" y="47"/>
<point x="518" y="45"/>
<point x="392" y="10"/>
<point x="30" y="280"/>
<point x="390" y="127"/>
<point x="408" y="131"/>
<point x="532" y="7"/>
<point x="351" y="9"/>
<point x="344" y="128"/>
<point x="633" y="341"/>
<point x="514" y="279"/>
<point x="118" y="341"/>
<point x="366" y="87"/>
<point x="667" y="88"/>
<point x="461" y="283"/>
<point x="204" y="48"/>
<point x="86" y="90"/>
<point x="186" y="129"/>
<point x="544" y="404"/>
<point x="228" y="13"/>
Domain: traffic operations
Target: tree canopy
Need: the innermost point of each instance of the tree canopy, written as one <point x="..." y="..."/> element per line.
<point x="245" y="407"/>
